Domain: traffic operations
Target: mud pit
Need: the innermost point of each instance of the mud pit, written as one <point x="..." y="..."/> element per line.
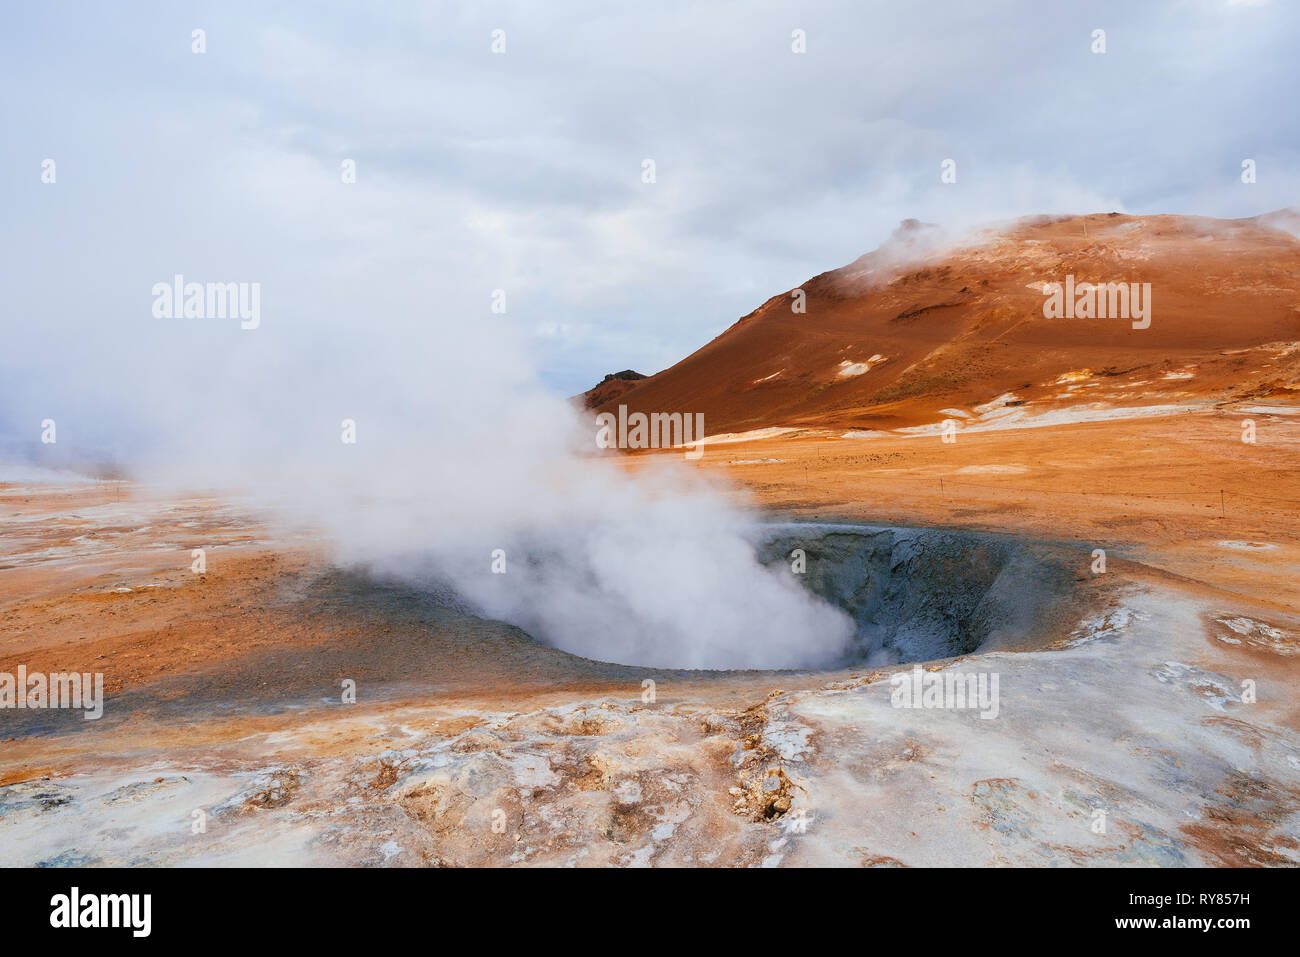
<point x="919" y="594"/>
<point x="913" y="594"/>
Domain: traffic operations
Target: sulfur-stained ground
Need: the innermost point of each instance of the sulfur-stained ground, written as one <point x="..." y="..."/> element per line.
<point x="1163" y="730"/>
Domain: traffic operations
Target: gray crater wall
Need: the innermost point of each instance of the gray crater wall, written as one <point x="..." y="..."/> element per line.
<point x="921" y="594"/>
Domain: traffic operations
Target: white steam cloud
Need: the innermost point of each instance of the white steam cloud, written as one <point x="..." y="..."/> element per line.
<point x="462" y="452"/>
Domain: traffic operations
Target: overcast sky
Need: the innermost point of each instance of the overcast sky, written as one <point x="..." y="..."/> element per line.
<point x="522" y="170"/>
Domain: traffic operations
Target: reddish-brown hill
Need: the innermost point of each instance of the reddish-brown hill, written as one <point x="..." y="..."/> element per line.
<point x="919" y="325"/>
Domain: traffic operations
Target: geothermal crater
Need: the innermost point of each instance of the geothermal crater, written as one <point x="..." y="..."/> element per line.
<point x="919" y="594"/>
<point x="914" y="594"/>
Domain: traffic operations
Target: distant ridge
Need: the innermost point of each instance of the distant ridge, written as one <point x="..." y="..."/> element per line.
<point x="610" y="388"/>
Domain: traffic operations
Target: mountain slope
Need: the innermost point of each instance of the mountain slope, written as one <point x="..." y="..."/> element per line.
<point x="921" y="325"/>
